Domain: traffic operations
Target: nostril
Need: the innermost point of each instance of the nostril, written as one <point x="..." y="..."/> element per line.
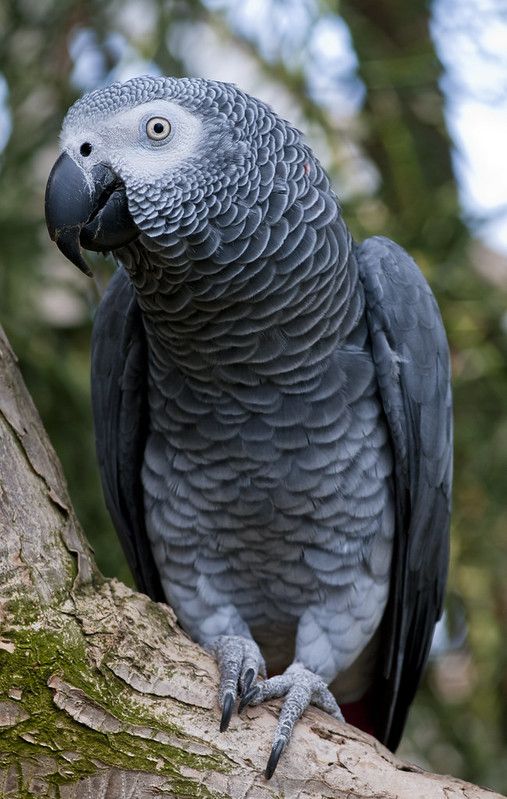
<point x="85" y="149"/>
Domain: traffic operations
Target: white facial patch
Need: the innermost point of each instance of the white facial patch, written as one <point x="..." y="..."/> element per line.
<point x="122" y="140"/>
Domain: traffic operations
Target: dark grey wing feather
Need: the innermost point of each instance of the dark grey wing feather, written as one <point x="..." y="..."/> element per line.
<point x="411" y="355"/>
<point x="120" y="414"/>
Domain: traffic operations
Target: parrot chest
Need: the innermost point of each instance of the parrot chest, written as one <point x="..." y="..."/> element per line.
<point x="269" y="502"/>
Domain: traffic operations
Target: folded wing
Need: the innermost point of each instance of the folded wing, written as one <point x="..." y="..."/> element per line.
<point x="411" y="355"/>
<point x="120" y="413"/>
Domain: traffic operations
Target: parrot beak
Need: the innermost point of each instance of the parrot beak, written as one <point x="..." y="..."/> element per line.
<point x="86" y="210"/>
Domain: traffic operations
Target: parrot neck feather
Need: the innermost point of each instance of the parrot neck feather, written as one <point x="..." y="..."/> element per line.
<point x="265" y="319"/>
<point x="245" y="270"/>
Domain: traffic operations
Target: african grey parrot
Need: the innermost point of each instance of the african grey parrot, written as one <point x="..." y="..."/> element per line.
<point x="271" y="400"/>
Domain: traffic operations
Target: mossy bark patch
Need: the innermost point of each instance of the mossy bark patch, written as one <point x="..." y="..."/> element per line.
<point x="83" y="716"/>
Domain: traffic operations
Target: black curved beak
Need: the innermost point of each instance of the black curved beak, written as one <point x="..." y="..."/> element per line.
<point x="89" y="211"/>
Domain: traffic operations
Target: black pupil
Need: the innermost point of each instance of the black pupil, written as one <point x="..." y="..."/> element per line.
<point x="158" y="127"/>
<point x="85" y="148"/>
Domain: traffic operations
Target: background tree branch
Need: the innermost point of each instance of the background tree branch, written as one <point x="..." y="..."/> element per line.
<point x="101" y="693"/>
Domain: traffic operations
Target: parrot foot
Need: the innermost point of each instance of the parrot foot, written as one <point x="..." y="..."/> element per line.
<point x="240" y="663"/>
<point x="301" y="688"/>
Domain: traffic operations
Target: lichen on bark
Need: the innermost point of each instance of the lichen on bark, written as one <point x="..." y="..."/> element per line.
<point x="70" y="701"/>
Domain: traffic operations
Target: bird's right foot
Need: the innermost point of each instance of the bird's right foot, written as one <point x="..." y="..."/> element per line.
<point x="240" y="663"/>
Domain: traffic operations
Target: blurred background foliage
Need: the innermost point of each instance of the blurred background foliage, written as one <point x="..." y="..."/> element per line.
<point x="373" y="84"/>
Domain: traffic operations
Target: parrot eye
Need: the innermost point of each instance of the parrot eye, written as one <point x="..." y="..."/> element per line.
<point x="158" y="128"/>
<point x="85" y="149"/>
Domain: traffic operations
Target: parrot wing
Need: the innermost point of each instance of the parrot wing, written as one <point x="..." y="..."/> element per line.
<point x="411" y="356"/>
<point x="120" y="413"/>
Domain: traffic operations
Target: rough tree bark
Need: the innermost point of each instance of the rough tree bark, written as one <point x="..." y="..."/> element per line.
<point x="102" y="695"/>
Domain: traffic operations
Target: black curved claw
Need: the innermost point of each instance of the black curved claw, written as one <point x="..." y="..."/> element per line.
<point x="226" y="711"/>
<point x="274" y="757"/>
<point x="247" y="698"/>
<point x="247" y="682"/>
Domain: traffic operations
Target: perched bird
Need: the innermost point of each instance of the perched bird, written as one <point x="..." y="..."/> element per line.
<point x="272" y="401"/>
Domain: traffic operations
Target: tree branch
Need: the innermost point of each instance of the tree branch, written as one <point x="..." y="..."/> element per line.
<point x="101" y="693"/>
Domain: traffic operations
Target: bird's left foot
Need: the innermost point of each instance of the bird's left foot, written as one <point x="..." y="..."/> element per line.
<point x="301" y="688"/>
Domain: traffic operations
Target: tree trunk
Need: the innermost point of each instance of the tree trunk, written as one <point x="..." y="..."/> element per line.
<point x="102" y="695"/>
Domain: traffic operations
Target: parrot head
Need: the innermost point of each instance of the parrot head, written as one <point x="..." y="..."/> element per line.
<point x="157" y="158"/>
